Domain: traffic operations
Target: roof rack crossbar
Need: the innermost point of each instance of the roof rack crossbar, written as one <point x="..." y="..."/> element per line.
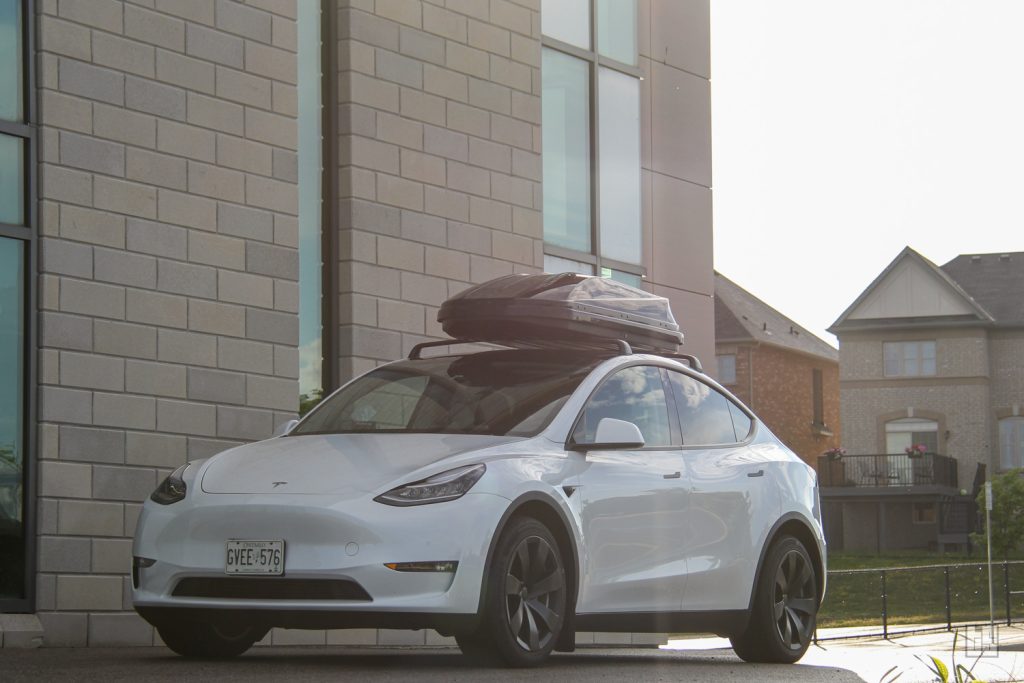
<point x="688" y="357"/>
<point x="415" y="353"/>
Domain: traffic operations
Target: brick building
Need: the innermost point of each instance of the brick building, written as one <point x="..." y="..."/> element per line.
<point x="929" y="356"/>
<point x="788" y="376"/>
<point x="210" y="208"/>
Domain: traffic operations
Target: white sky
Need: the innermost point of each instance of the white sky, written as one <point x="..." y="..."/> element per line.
<point x="844" y="131"/>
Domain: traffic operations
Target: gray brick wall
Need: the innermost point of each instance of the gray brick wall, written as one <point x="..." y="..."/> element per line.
<point x="168" y="273"/>
<point x="439" y="180"/>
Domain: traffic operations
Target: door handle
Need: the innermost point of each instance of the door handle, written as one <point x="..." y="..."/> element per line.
<point x="674" y="475"/>
<point x="759" y="473"/>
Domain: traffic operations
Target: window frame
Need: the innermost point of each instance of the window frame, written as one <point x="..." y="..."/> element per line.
<point x="919" y="345"/>
<point x="1017" y="425"/>
<point x="722" y="379"/>
<point x="595" y="61"/>
<point x="26" y="232"/>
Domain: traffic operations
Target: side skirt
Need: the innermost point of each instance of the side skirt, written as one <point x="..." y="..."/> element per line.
<point x="725" y="623"/>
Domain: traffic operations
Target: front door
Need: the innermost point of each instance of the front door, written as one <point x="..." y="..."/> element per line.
<point x="632" y="503"/>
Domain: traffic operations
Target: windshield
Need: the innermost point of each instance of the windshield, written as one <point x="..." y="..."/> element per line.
<point x="499" y="393"/>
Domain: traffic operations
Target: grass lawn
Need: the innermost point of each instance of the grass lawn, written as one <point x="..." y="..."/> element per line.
<point x="915" y="588"/>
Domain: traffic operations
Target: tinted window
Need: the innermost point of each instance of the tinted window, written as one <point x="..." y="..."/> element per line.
<point x="514" y="393"/>
<point x="635" y="394"/>
<point x="704" y="414"/>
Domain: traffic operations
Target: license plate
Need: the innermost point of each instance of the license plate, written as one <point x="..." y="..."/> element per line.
<point x="255" y="557"/>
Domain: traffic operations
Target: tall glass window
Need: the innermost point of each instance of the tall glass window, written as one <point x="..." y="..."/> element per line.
<point x="17" y="251"/>
<point x="566" y="126"/>
<point x="11" y="62"/>
<point x="311" y="382"/>
<point x="12" y="418"/>
<point x="590" y="105"/>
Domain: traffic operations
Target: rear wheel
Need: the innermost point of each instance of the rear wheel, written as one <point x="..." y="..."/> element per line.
<point x="524" y="606"/>
<point x="210" y="640"/>
<point x="785" y="607"/>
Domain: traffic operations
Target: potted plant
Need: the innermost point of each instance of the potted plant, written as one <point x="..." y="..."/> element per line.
<point x="916" y="451"/>
<point x="836" y="453"/>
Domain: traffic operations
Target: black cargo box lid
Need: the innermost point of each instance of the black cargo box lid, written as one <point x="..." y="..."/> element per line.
<point x="562" y="310"/>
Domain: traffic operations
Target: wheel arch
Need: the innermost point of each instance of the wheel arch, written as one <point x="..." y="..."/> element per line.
<point x="546" y="510"/>
<point x="795" y="525"/>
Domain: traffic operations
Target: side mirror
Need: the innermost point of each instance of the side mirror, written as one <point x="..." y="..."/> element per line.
<point x="284" y="428"/>
<point x="614" y="434"/>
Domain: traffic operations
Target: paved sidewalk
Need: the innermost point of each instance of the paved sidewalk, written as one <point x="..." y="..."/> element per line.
<point x="871" y="658"/>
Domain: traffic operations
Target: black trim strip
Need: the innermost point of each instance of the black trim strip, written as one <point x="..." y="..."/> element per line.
<point x="724" y="622"/>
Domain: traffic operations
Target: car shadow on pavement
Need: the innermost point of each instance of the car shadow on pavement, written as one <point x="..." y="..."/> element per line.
<point x="298" y="663"/>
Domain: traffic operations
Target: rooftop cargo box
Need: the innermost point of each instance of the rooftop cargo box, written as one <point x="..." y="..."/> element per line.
<point x="563" y="310"/>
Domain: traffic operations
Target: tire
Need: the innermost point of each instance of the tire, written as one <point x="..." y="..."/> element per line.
<point x="210" y="640"/>
<point x="785" y="607"/>
<point x="524" y="604"/>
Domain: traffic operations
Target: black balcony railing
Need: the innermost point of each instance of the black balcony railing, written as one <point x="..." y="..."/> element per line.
<point x="927" y="469"/>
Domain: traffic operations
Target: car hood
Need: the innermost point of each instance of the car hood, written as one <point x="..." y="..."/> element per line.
<point x="343" y="464"/>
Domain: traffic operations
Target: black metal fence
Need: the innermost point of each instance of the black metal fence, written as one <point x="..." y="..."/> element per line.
<point x="927" y="469"/>
<point x="928" y="598"/>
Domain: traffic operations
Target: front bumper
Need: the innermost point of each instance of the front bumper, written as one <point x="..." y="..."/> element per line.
<point x="325" y="541"/>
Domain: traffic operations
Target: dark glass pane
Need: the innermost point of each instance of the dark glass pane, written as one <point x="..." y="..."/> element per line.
<point x="12" y="437"/>
<point x="635" y="394"/>
<point x="311" y="383"/>
<point x="12" y="179"/>
<point x="11" y="68"/>
<point x="499" y="393"/>
<point x="704" y="414"/>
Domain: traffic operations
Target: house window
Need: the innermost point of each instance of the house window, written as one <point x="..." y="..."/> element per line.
<point x="1011" y="443"/>
<point x="925" y="513"/>
<point x="726" y="368"/>
<point x="904" y="433"/>
<point x="909" y="359"/>
<point x="311" y="380"/>
<point x="590" y="110"/>
<point x="17" y="300"/>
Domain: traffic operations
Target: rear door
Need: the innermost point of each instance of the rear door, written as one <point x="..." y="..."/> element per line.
<point x="733" y="499"/>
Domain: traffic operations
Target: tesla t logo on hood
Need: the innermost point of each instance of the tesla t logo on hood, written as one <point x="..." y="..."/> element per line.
<point x="275" y="484"/>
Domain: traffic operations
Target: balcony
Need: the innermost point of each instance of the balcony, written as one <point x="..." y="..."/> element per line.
<point x="888" y="471"/>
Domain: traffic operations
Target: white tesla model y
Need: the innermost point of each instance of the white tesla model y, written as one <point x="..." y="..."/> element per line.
<point x="508" y="497"/>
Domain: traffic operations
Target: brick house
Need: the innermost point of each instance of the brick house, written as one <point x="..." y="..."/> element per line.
<point x="788" y="376"/>
<point x="209" y="209"/>
<point x="929" y="356"/>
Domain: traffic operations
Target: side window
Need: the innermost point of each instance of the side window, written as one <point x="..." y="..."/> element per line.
<point x="635" y="394"/>
<point x="706" y="416"/>
<point x="740" y="421"/>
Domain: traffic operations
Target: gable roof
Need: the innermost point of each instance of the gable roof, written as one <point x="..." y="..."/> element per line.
<point x="950" y="302"/>
<point x="995" y="281"/>
<point x="742" y="317"/>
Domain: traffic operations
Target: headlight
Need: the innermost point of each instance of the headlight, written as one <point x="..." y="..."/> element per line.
<point x="436" y="489"/>
<point x="172" y="489"/>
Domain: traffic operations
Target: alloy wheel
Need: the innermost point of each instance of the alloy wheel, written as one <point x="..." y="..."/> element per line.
<point x="794" y="600"/>
<point x="534" y="585"/>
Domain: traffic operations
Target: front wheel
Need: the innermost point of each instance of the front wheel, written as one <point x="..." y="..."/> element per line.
<point x="210" y="640"/>
<point x="525" y="601"/>
<point x="785" y="607"/>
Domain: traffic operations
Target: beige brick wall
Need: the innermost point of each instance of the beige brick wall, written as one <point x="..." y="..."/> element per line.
<point x="958" y="396"/>
<point x="439" y="154"/>
<point x="168" y="271"/>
